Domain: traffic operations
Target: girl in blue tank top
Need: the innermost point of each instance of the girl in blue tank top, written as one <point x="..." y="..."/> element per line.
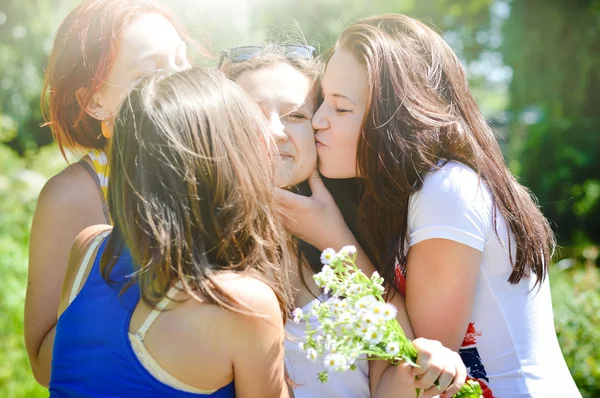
<point x="187" y="295"/>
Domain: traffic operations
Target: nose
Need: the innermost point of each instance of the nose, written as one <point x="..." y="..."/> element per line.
<point x="171" y="63"/>
<point x="319" y="120"/>
<point x="277" y="128"/>
<point x="177" y="66"/>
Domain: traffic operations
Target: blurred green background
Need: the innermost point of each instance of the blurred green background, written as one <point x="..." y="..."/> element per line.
<point x="534" y="67"/>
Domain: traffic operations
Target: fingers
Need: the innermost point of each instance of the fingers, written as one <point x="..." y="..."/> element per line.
<point x="316" y="184"/>
<point x="459" y="378"/>
<point x="437" y="363"/>
<point x="404" y="371"/>
<point x="443" y="381"/>
<point x="432" y="374"/>
<point x="291" y="202"/>
<point x="445" y="378"/>
<point x="425" y="349"/>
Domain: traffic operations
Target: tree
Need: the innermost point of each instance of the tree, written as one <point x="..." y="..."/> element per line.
<point x="552" y="48"/>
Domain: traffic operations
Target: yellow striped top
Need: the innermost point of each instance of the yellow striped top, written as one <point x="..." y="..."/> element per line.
<point x="100" y="162"/>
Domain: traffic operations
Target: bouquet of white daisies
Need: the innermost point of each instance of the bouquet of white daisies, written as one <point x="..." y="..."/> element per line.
<point x="356" y="320"/>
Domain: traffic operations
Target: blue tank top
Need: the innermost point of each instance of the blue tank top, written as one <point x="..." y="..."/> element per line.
<point x="92" y="354"/>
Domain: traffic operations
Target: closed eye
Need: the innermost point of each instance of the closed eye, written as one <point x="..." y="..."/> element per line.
<point x="295" y="116"/>
<point x="340" y="110"/>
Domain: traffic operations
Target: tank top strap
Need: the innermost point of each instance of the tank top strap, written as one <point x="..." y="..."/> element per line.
<point x="162" y="304"/>
<point x="86" y="166"/>
<point x="85" y="264"/>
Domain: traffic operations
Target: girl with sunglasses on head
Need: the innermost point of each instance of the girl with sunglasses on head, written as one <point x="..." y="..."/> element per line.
<point x="283" y="80"/>
<point x="101" y="48"/>
<point x="398" y="115"/>
<point x="187" y="295"/>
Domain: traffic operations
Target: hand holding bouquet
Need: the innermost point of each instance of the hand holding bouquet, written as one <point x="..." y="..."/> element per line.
<point x="356" y="321"/>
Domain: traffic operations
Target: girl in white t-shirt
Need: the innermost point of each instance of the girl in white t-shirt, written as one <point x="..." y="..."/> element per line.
<point x="397" y="113"/>
<point x="281" y="79"/>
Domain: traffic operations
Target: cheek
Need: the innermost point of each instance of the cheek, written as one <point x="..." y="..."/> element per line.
<point x="339" y="160"/>
<point x="346" y="133"/>
<point x="113" y="93"/>
<point x="304" y="141"/>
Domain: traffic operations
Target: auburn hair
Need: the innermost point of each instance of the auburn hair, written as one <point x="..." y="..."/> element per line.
<point x="83" y="53"/>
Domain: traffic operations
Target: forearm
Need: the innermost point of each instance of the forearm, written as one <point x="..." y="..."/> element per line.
<point x="391" y="385"/>
<point x="339" y="240"/>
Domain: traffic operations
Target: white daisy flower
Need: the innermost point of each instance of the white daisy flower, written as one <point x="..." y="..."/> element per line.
<point x="311" y="354"/>
<point x="328" y="256"/>
<point x="352" y="289"/>
<point x="378" y="309"/>
<point x="373" y="335"/>
<point x="365" y="303"/>
<point x="346" y="317"/>
<point x="347" y="251"/>
<point x="392" y="348"/>
<point x="389" y="312"/>
<point x="368" y="319"/>
<point x="297" y="313"/>
<point x="336" y="363"/>
<point x="325" y="277"/>
<point x="329" y="341"/>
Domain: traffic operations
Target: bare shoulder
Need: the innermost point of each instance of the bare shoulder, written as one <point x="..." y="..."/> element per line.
<point x="260" y="306"/>
<point x="85" y="238"/>
<point x="70" y="200"/>
<point x="250" y="291"/>
<point x="67" y="188"/>
<point x="80" y="247"/>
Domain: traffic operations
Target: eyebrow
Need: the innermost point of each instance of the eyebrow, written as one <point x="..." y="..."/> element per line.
<point x="342" y="96"/>
<point x="295" y="105"/>
<point x="154" y="55"/>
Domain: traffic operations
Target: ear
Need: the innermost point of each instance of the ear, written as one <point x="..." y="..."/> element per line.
<point x="92" y="107"/>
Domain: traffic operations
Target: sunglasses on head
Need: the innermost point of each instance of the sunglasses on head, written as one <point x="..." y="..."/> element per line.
<point x="244" y="53"/>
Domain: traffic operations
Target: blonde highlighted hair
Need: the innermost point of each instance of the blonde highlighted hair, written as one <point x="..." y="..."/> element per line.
<point x="191" y="193"/>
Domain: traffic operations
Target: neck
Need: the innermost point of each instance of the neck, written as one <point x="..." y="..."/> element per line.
<point x="304" y="292"/>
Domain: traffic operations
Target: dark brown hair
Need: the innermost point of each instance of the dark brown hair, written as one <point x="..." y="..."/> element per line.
<point x="83" y="53"/>
<point x="191" y="191"/>
<point x="420" y="110"/>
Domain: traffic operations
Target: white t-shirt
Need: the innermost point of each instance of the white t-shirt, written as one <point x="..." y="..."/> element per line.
<point x="349" y="384"/>
<point x="511" y="345"/>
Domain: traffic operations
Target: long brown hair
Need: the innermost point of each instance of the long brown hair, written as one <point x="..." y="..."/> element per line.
<point x="191" y="192"/>
<point x="83" y="53"/>
<point x="420" y="110"/>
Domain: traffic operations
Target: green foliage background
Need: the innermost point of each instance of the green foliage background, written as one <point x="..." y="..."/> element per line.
<point x="534" y="67"/>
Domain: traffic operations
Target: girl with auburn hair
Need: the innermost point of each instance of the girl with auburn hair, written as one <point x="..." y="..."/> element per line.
<point x="101" y="48"/>
<point x="284" y="81"/>
<point x="188" y="290"/>
<point x="398" y="114"/>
